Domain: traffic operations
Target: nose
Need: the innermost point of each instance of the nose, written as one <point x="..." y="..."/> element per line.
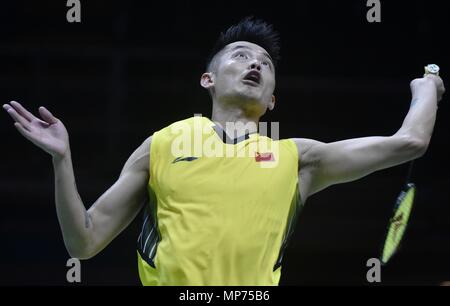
<point x="255" y="65"/>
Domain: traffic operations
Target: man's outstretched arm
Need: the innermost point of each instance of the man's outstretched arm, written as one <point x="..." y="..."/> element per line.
<point x="85" y="232"/>
<point x="325" y="164"/>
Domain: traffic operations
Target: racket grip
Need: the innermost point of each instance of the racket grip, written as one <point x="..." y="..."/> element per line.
<point x="431" y="69"/>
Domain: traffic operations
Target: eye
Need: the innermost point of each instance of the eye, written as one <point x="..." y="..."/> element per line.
<point x="241" y="56"/>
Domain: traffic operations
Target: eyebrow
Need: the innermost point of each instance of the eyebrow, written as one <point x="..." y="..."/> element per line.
<point x="245" y="47"/>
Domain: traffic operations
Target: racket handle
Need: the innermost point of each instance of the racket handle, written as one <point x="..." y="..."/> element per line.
<point x="431" y="69"/>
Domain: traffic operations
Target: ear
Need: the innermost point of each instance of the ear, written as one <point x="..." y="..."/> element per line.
<point x="272" y="103"/>
<point x="207" y="80"/>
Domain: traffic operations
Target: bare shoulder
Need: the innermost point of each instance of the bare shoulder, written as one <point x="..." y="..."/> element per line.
<point x="139" y="160"/>
<point x="306" y="154"/>
<point x="308" y="162"/>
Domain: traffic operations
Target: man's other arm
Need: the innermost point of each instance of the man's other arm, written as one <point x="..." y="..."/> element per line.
<point x="325" y="164"/>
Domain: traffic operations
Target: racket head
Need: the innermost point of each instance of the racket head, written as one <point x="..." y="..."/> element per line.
<point x="398" y="223"/>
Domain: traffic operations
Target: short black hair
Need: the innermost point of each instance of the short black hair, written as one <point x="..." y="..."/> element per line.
<point x="252" y="30"/>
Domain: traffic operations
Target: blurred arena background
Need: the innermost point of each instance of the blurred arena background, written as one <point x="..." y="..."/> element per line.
<point x="132" y="67"/>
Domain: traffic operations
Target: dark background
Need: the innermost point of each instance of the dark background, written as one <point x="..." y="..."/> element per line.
<point x="130" y="68"/>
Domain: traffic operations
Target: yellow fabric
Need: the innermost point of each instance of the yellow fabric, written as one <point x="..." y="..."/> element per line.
<point x="221" y="220"/>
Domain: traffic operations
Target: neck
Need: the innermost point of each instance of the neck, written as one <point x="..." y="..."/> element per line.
<point x="235" y="121"/>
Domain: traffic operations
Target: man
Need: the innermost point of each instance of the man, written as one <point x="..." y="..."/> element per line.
<point x="221" y="219"/>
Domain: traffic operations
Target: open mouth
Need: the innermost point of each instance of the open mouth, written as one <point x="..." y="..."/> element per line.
<point x="253" y="78"/>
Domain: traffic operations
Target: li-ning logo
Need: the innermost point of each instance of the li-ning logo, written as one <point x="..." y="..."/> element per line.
<point x="189" y="158"/>
<point x="263" y="157"/>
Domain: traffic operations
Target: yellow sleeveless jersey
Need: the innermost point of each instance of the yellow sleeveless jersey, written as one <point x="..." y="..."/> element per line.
<point x="220" y="212"/>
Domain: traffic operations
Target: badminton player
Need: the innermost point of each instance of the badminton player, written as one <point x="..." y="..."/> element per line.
<point x="221" y="219"/>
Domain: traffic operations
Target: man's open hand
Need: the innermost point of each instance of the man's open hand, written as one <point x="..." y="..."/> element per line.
<point x="47" y="133"/>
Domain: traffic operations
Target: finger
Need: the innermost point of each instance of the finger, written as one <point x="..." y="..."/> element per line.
<point x="430" y="75"/>
<point x="47" y="116"/>
<point x="17" y="117"/>
<point x="436" y="79"/>
<point x="22" y="110"/>
<point x="25" y="133"/>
